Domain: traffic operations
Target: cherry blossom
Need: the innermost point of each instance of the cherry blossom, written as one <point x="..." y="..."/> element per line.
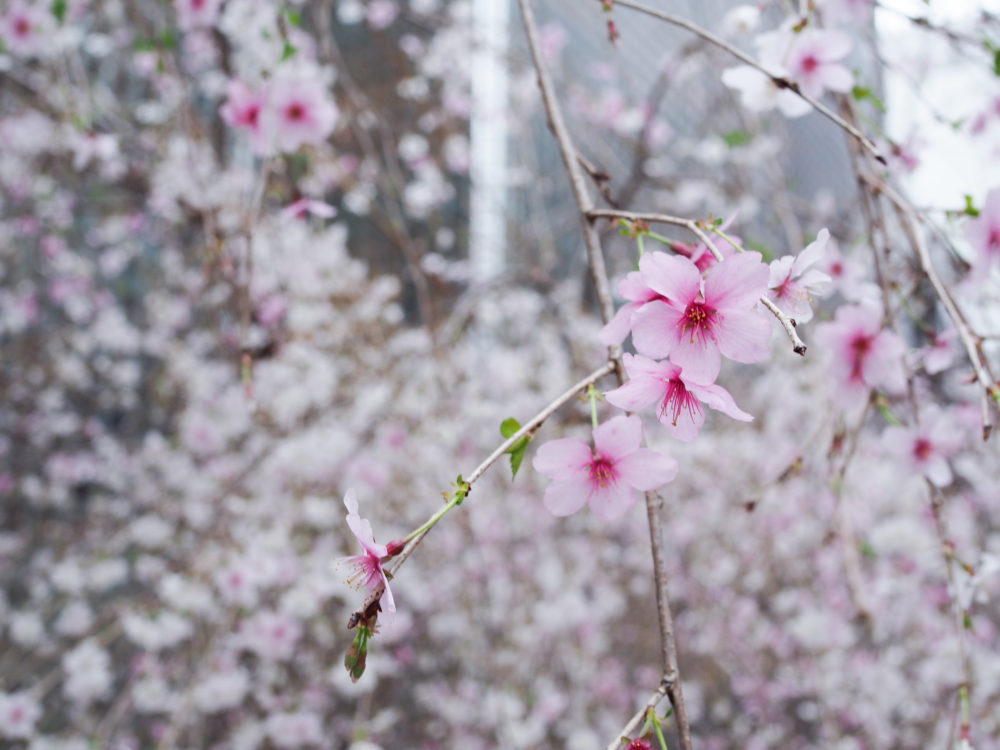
<point x="864" y="355"/>
<point x="604" y="476"/>
<point x="367" y="568"/>
<point x="701" y="320"/>
<point x="25" y="28"/>
<point x="926" y="447"/>
<point x="813" y="61"/>
<point x="300" y="110"/>
<point x="243" y="110"/>
<point x="793" y="283"/>
<point x="638" y="293"/>
<point x="983" y="233"/>
<point x="19" y="712"/>
<point x="680" y="398"/>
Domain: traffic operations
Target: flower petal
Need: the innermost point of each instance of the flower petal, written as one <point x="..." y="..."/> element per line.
<point x="646" y="469"/>
<point x="559" y="459"/>
<point x="656" y="329"/>
<point x="618" y="327"/>
<point x="637" y="393"/>
<point x="672" y="276"/>
<point x="744" y="336"/>
<point x="719" y="399"/>
<point x="612" y="501"/>
<point x="563" y="497"/>
<point x="618" y="437"/>
<point x="737" y="282"/>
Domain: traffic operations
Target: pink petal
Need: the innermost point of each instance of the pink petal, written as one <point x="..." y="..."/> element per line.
<point x="351" y="502"/>
<point x="618" y="437"/>
<point x="699" y="361"/>
<point x="812" y="253"/>
<point x="637" y="393"/>
<point x="563" y="458"/>
<point x="719" y="399"/>
<point x="633" y="288"/>
<point x="388" y="603"/>
<point x="672" y="276"/>
<point x="836" y="78"/>
<point x="883" y="367"/>
<point x="737" y="282"/>
<point x="656" y="328"/>
<point x="938" y="471"/>
<point x="833" y="45"/>
<point x="618" y="327"/>
<point x="612" y="501"/>
<point x="744" y="336"/>
<point x="564" y="497"/>
<point x="689" y="423"/>
<point x="646" y="469"/>
<point x="780" y="270"/>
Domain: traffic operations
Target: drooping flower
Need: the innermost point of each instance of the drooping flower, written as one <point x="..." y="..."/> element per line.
<point x="926" y="447"/>
<point x="699" y="321"/>
<point x="19" y="712"/>
<point x="25" y="28"/>
<point x="300" y="110"/>
<point x="604" y="476"/>
<point x="864" y="355"/>
<point x="984" y="232"/>
<point x="243" y="110"/>
<point x="680" y="397"/>
<point x="367" y="568"/>
<point x="812" y="61"/>
<point x="793" y="283"/>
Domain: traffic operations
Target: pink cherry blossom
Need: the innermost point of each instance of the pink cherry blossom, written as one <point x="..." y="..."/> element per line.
<point x="606" y="476"/>
<point x="984" y="232"/>
<point x="243" y="110"/>
<point x="25" y="27"/>
<point x="19" y="712"/>
<point x="793" y="283"/>
<point x="864" y="355"/>
<point x="926" y="447"/>
<point x="300" y="111"/>
<point x="304" y="206"/>
<point x="635" y="290"/>
<point x="680" y="398"/>
<point x="367" y="568"/>
<point x="812" y="62"/>
<point x="759" y="93"/>
<point x="197" y="14"/>
<point x="701" y="320"/>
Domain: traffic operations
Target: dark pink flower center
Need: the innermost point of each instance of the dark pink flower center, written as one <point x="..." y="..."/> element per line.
<point x="251" y="114"/>
<point x="678" y="399"/>
<point x="809" y="63"/>
<point x="602" y="472"/>
<point x="701" y="320"/>
<point x="197" y="4"/>
<point x="22" y="27"/>
<point x="922" y="449"/>
<point x="295" y="112"/>
<point x="860" y="347"/>
<point x="993" y="242"/>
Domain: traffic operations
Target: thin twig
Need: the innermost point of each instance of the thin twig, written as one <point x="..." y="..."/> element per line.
<point x="779" y="81"/>
<point x="798" y="345"/>
<point x="651" y="704"/>
<point x="599" y="276"/>
<point x="529" y="428"/>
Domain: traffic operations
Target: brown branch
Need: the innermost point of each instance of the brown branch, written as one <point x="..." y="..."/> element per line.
<point x="651" y="704"/>
<point x="598" y="274"/>
<point x="779" y="81"/>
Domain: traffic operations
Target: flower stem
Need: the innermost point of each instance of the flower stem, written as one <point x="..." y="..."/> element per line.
<point x="592" y="395"/>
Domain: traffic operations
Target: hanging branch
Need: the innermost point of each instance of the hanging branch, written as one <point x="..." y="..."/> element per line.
<point x="598" y="273"/>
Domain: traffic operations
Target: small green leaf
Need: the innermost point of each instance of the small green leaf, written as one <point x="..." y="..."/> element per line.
<point x="59" y="10"/>
<point x="996" y="62"/>
<point x="517" y="452"/>
<point x="509" y="426"/>
<point x="860" y="93"/>
<point x="883" y="408"/>
<point x="288" y="51"/>
<point x="294" y="17"/>
<point x="736" y="138"/>
<point x="970" y="208"/>
<point x="168" y="39"/>
<point x="357" y="654"/>
<point x="143" y="45"/>
<point x="967" y="620"/>
<point x="867" y="550"/>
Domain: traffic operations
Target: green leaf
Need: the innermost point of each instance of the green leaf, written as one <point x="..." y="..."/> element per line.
<point x="517" y="452"/>
<point x="288" y="51"/>
<point x="294" y="17"/>
<point x="860" y="93"/>
<point x="168" y="39"/>
<point x="509" y="426"/>
<point x="357" y="654"/>
<point x="883" y="408"/>
<point x="59" y="10"/>
<point x="867" y="550"/>
<point x="970" y="208"/>
<point x="736" y="138"/>
<point x="996" y="62"/>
